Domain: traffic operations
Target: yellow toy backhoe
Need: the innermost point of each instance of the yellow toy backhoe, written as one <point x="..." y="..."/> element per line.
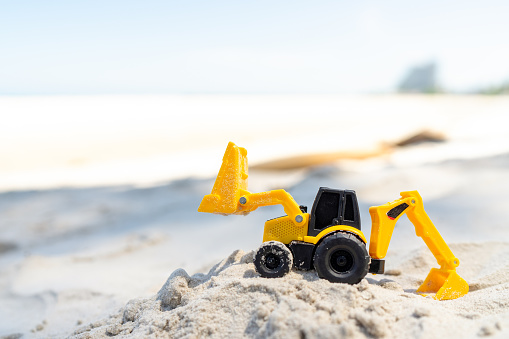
<point x="329" y="239"/>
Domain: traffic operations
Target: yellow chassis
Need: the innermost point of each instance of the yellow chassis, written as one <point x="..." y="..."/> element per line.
<point x="282" y="229"/>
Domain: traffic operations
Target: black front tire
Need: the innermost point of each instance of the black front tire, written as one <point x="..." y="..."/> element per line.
<point x="341" y="257"/>
<point x="273" y="260"/>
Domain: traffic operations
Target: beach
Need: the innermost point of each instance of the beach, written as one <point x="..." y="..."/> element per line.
<point x="100" y="234"/>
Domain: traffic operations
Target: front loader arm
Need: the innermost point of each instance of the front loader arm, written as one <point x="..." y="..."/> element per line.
<point x="230" y="195"/>
<point x="252" y="201"/>
<point x="445" y="282"/>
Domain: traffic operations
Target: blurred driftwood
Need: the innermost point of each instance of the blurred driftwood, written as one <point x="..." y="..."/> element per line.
<point x="317" y="159"/>
<point x="418" y="138"/>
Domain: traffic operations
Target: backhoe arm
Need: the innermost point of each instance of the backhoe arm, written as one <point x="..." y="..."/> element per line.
<point x="444" y="281"/>
<point x="384" y="219"/>
<point x="425" y="229"/>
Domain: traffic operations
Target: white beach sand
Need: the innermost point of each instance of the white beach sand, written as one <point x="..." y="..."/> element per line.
<point x="232" y="300"/>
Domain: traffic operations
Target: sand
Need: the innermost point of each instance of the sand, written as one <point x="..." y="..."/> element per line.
<point x="71" y="265"/>
<point x="233" y="301"/>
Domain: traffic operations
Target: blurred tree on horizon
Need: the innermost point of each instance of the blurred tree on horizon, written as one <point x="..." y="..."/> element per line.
<point x="421" y="79"/>
<point x="502" y="89"/>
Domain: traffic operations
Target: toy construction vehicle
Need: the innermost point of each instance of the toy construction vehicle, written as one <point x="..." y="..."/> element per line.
<point x="329" y="239"/>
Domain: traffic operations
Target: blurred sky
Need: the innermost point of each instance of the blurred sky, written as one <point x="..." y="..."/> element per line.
<point x="196" y="46"/>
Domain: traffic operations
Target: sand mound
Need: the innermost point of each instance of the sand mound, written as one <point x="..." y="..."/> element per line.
<point x="232" y="301"/>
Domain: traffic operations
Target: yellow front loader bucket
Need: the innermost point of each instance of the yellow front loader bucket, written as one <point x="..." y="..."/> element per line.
<point x="230" y="185"/>
<point x="447" y="284"/>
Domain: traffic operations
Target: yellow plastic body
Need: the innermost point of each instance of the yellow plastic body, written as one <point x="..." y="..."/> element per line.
<point x="444" y="282"/>
<point x="283" y="229"/>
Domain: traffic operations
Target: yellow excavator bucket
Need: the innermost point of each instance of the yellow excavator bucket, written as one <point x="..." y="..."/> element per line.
<point x="230" y="185"/>
<point x="446" y="284"/>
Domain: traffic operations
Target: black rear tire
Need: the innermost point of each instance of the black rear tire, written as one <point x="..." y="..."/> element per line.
<point x="341" y="257"/>
<point x="273" y="259"/>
